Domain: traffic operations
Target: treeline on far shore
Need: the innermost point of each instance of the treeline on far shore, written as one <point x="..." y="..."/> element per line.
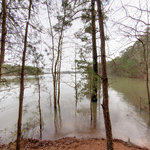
<point x="134" y="60"/>
<point x="15" y="70"/>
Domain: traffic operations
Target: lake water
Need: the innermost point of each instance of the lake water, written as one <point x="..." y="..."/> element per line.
<point x="128" y="122"/>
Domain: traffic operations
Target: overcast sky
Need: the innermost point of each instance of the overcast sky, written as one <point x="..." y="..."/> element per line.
<point x="118" y="38"/>
<point x="118" y="12"/>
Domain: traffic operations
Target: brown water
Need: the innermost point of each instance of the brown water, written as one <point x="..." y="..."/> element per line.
<point x="128" y="122"/>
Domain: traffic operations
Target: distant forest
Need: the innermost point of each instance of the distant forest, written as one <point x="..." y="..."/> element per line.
<point x="132" y="62"/>
<point x="10" y="70"/>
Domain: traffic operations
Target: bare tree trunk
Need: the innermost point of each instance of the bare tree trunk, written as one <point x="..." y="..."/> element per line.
<point x="60" y="120"/>
<point x="56" y="67"/>
<point x="22" y="81"/>
<point x="93" y="115"/>
<point x="55" y="90"/>
<point x="75" y="85"/>
<point x="95" y="66"/>
<point x="59" y="74"/>
<point x="56" y="121"/>
<point x="53" y="59"/>
<point x="99" y="81"/>
<point x="56" y="64"/>
<point x="39" y="101"/>
<point x="90" y="85"/>
<point x="104" y="80"/>
<point x="3" y="35"/>
<point x="39" y="105"/>
<point x="147" y="69"/>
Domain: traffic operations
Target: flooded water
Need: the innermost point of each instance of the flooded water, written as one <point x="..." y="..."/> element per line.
<point x="74" y="116"/>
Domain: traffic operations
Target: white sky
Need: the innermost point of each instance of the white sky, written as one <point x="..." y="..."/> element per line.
<point x="118" y="39"/>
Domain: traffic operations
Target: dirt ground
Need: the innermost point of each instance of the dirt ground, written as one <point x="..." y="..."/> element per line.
<point x="71" y="144"/>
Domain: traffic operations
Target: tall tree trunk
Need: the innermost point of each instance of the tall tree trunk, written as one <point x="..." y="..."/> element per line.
<point x="56" y="121"/>
<point x="95" y="66"/>
<point x="59" y="74"/>
<point x="104" y="80"/>
<point x="55" y="89"/>
<point x="39" y="106"/>
<point x="60" y="120"/>
<point x="56" y="66"/>
<point x="3" y="36"/>
<point x="53" y="59"/>
<point x="39" y="100"/>
<point x="22" y="81"/>
<point x="75" y="84"/>
<point x="93" y="115"/>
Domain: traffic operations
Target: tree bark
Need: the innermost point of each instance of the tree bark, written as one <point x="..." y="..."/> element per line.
<point x="95" y="66"/>
<point x="75" y="84"/>
<point x="56" y="66"/>
<point x="58" y="76"/>
<point x="104" y="80"/>
<point x="53" y="59"/>
<point x="39" y="106"/>
<point x="22" y="81"/>
<point x="3" y="35"/>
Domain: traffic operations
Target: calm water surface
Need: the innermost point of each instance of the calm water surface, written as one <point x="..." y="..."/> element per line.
<point x="128" y="122"/>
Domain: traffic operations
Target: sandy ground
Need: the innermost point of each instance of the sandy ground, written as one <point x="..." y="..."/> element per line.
<point x="71" y="144"/>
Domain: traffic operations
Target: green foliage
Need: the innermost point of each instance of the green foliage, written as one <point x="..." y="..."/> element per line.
<point x="131" y="63"/>
<point x="10" y="70"/>
<point x="86" y="79"/>
<point x="86" y="16"/>
<point x="64" y="18"/>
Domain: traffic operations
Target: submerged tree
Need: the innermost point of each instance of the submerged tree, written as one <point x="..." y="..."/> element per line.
<point x="87" y="61"/>
<point x="64" y="17"/>
<point x="38" y="58"/>
<point x="87" y="35"/>
<point x="21" y="96"/>
<point x="56" y="56"/>
<point x="104" y="78"/>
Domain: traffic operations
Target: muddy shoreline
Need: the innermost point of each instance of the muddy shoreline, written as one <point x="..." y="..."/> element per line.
<point x="72" y="143"/>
